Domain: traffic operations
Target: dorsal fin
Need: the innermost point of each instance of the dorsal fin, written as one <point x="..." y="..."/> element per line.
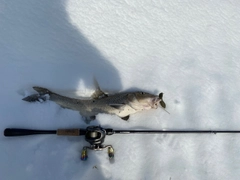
<point x="98" y="92"/>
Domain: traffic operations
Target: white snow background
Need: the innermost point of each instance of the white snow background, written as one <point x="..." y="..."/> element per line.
<point x="189" y="50"/>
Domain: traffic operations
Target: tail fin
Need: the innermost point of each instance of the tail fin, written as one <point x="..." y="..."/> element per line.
<point x="42" y="91"/>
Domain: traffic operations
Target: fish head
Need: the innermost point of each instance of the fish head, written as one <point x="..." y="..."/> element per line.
<point x="150" y="101"/>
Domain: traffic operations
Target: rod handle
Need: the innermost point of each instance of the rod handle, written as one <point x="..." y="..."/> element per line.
<point x="69" y="132"/>
<point x="25" y="132"/>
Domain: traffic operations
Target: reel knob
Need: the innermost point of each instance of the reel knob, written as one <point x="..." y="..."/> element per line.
<point x="84" y="155"/>
<point x="110" y="152"/>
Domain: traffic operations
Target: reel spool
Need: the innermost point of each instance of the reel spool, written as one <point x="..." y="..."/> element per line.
<point x="95" y="135"/>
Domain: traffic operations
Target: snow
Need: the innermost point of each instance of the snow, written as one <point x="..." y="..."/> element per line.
<point x="187" y="50"/>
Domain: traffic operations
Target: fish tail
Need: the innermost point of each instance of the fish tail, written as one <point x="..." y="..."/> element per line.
<point x="42" y="91"/>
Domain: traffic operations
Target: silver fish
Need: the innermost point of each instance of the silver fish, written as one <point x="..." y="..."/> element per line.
<point x="121" y="104"/>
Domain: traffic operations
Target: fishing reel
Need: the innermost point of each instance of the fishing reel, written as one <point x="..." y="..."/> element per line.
<point x="95" y="135"/>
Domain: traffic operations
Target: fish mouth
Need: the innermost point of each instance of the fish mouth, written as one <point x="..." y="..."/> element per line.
<point x="158" y="101"/>
<point x="155" y="102"/>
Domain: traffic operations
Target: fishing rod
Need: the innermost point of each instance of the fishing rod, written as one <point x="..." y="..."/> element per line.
<point x="95" y="135"/>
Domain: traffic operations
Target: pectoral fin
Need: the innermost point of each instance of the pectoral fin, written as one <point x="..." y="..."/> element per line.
<point x="88" y="119"/>
<point x="92" y="117"/>
<point x="125" y="118"/>
<point x="117" y="106"/>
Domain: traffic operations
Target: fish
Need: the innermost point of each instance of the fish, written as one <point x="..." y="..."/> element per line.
<point x="122" y="104"/>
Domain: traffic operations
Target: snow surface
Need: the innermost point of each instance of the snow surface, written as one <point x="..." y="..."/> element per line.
<point x="187" y="49"/>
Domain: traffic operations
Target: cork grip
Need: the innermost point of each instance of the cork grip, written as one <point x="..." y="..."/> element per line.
<point x="68" y="132"/>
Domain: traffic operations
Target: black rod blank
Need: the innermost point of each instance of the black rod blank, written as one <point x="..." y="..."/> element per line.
<point x="173" y="131"/>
